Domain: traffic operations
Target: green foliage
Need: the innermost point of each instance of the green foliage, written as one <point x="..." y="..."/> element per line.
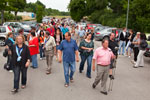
<point x="77" y="9"/>
<point x="39" y="14"/>
<point x="17" y="5"/>
<point x="9" y="17"/>
<point x="113" y="12"/>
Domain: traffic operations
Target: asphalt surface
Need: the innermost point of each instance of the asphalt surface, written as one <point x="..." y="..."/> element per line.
<point x="129" y="83"/>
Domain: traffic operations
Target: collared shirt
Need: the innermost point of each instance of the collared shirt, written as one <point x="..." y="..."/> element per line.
<point x="68" y="48"/>
<point x="103" y="56"/>
<point x="50" y="44"/>
<point x="81" y="33"/>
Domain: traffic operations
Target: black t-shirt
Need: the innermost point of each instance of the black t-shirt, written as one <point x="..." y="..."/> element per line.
<point x="112" y="45"/>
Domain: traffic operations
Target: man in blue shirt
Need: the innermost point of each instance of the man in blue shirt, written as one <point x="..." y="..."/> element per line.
<point x="81" y="34"/>
<point x="70" y="53"/>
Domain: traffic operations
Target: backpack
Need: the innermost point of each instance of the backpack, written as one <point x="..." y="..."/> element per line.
<point x="143" y="44"/>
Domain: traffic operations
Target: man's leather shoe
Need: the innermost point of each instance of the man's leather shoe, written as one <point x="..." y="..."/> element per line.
<point x="105" y="93"/>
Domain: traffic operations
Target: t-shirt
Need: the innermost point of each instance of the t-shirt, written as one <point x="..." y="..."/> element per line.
<point x="34" y="50"/>
<point x="68" y="48"/>
<point x="136" y="40"/>
<point x="87" y="45"/>
<point x="64" y="30"/>
<point x="81" y="33"/>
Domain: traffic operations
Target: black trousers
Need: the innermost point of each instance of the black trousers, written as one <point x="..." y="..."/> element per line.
<point x="136" y="52"/>
<point x="17" y="70"/>
<point x="9" y="62"/>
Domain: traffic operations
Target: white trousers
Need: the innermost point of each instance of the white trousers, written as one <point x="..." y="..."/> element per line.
<point x="140" y="59"/>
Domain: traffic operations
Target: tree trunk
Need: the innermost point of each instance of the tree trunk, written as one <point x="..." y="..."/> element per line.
<point x="2" y="17"/>
<point x="16" y="15"/>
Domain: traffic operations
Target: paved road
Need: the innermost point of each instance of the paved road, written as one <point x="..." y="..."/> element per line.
<point x="129" y="84"/>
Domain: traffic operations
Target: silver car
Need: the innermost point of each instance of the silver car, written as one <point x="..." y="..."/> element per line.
<point x="104" y="33"/>
<point x="3" y="33"/>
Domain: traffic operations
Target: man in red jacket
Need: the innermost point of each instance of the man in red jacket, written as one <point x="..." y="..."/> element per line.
<point x="51" y="30"/>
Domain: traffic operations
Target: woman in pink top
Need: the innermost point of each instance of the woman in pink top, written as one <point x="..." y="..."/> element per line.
<point x="102" y="56"/>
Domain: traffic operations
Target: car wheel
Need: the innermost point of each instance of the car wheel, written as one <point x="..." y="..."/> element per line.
<point x="2" y="41"/>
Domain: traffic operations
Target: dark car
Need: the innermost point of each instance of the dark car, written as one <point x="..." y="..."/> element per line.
<point x="147" y="52"/>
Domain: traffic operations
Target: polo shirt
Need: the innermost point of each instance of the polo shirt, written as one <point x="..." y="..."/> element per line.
<point x="68" y="48"/>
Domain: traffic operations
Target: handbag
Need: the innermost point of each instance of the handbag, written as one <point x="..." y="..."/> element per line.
<point x="131" y="45"/>
<point x="5" y="53"/>
<point x="7" y="66"/>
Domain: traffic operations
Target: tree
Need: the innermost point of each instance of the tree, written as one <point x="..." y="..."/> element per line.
<point x="19" y="5"/>
<point x="3" y="7"/>
<point x="39" y="14"/>
<point x="77" y="9"/>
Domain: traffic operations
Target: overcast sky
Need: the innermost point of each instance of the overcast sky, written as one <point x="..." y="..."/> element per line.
<point x="61" y="5"/>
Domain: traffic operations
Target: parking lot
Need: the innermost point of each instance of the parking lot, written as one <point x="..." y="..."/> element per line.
<point x="129" y="83"/>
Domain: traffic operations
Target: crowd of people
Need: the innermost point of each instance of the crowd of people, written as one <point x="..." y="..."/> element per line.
<point x="67" y="42"/>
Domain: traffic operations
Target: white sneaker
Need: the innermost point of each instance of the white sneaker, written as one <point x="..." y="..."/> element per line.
<point x="129" y="56"/>
<point x="10" y="71"/>
<point x="40" y="58"/>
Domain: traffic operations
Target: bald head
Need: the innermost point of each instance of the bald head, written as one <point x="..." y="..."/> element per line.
<point x="112" y="36"/>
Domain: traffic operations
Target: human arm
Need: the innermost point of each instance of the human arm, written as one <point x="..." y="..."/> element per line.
<point x="60" y="56"/>
<point x="28" y="57"/>
<point x="93" y="64"/>
<point x="77" y="55"/>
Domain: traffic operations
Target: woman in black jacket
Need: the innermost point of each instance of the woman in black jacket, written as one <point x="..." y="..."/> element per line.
<point x="20" y="60"/>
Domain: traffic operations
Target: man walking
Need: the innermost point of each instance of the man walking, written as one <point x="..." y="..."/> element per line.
<point x="81" y="34"/>
<point x="102" y="56"/>
<point x="70" y="52"/>
<point x="123" y="38"/>
<point x="113" y="45"/>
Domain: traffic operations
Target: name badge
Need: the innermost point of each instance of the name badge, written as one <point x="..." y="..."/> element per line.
<point x="19" y="58"/>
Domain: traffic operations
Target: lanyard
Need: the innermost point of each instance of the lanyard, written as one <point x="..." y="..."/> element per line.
<point x="47" y="39"/>
<point x="18" y="53"/>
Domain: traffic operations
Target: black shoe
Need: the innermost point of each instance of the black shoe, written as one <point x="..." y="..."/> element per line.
<point x="105" y="93"/>
<point x="32" y="66"/>
<point x="80" y="71"/>
<point x="88" y="76"/>
<point x="14" y="90"/>
<point x="94" y="86"/>
<point x="141" y="66"/>
<point x="111" y="77"/>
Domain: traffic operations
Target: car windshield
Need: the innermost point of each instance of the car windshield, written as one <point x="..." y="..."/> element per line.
<point x="2" y="29"/>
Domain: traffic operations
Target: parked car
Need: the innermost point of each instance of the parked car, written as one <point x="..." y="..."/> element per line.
<point x="147" y="52"/>
<point x="17" y="26"/>
<point x="90" y="26"/>
<point x="105" y="33"/>
<point x="30" y="23"/>
<point x="3" y="33"/>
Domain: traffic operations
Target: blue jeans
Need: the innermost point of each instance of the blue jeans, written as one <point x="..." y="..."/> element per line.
<point x="122" y="46"/>
<point x="41" y="51"/>
<point x="17" y="70"/>
<point x="89" y="64"/>
<point x="72" y="67"/>
<point x="34" y="61"/>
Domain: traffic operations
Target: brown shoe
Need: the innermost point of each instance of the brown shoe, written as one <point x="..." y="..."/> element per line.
<point x="48" y="72"/>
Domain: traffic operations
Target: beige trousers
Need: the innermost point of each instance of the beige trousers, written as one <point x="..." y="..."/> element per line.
<point x="49" y="59"/>
<point x="102" y="75"/>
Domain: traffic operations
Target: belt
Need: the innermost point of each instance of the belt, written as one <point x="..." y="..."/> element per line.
<point x="102" y="65"/>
